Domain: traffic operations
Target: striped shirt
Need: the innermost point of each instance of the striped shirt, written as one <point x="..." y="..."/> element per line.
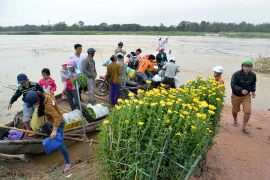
<point x="33" y="86"/>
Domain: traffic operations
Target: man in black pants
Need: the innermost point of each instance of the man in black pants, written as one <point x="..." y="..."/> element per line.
<point x="170" y="71"/>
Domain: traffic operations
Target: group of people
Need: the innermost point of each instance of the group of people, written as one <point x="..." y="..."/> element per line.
<point x="41" y="94"/>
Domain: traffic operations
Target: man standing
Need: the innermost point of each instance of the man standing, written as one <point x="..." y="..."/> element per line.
<point x="89" y="69"/>
<point x="243" y="83"/>
<point x="113" y="74"/>
<point x="119" y="49"/>
<point x="78" y="57"/>
<point x="170" y="71"/>
<point x="23" y="89"/>
<point x="161" y="43"/>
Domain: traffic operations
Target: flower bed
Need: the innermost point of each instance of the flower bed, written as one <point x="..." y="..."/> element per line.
<point x="159" y="134"/>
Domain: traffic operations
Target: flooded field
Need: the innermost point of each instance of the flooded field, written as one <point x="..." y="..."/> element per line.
<point x="196" y="56"/>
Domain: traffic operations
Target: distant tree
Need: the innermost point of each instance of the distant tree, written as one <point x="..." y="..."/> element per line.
<point x="81" y="24"/>
<point x="61" y="26"/>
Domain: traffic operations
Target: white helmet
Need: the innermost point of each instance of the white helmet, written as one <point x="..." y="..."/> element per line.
<point x="172" y="59"/>
<point x="218" y="69"/>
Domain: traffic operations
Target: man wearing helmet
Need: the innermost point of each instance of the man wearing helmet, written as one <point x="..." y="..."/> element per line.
<point x="161" y="43"/>
<point x="243" y="84"/>
<point x="119" y="49"/>
<point x="218" y="70"/>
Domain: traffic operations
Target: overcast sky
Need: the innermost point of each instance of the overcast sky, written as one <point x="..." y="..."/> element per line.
<point x="144" y="12"/>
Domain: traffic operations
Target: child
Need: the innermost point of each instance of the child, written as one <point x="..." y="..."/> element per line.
<point x="25" y="86"/>
<point x="120" y="61"/>
<point x="71" y="89"/>
<point x="218" y="70"/>
<point x="47" y="82"/>
<point x="64" y="78"/>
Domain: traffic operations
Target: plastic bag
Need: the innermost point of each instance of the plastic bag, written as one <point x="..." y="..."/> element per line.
<point x="99" y="109"/>
<point x="72" y="116"/>
<point x="157" y="78"/>
<point x="36" y="121"/>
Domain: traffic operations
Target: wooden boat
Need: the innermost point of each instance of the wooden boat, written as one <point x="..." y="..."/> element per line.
<point x="34" y="146"/>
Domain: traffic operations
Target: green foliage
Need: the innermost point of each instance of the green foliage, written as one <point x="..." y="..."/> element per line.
<point x="82" y="80"/>
<point x="177" y="125"/>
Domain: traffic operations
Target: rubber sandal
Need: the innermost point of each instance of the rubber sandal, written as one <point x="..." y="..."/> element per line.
<point x="235" y="124"/>
<point x="245" y="130"/>
<point x="67" y="167"/>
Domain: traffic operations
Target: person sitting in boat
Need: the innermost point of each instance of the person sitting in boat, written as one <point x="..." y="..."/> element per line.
<point x="143" y="67"/>
<point x="132" y="61"/>
<point x="24" y="87"/>
<point x="161" y="58"/>
<point x="47" y="82"/>
<point x="49" y="108"/>
<point x="71" y="89"/>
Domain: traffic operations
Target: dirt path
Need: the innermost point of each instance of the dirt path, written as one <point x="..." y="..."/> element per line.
<point x="236" y="156"/>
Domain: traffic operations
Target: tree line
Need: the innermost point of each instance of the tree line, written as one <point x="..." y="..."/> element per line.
<point x="204" y="26"/>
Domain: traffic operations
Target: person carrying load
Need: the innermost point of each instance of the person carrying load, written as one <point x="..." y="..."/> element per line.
<point x="143" y="67"/>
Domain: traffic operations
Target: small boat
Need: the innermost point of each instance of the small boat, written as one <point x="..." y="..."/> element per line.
<point x="34" y="145"/>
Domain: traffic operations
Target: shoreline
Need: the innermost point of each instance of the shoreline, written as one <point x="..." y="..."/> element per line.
<point x="149" y="33"/>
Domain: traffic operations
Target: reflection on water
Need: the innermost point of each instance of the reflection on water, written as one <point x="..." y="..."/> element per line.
<point x="195" y="55"/>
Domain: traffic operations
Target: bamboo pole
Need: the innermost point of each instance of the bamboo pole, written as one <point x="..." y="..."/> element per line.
<point x="193" y="166"/>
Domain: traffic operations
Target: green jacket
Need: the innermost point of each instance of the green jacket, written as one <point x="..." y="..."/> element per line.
<point x="33" y="86"/>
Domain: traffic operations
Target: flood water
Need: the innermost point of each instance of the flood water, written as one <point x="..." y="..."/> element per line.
<point x="196" y="56"/>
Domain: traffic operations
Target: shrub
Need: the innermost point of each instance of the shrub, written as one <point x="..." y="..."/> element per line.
<point x="159" y="134"/>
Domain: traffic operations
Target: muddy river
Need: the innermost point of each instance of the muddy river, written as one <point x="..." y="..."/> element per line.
<point x="196" y="56"/>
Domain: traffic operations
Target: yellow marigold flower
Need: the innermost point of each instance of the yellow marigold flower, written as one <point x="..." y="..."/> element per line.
<point x="182" y="116"/>
<point x="126" y="121"/>
<point x="195" y="100"/>
<point x="141" y="102"/>
<point x="207" y="129"/>
<point x="120" y="100"/>
<point x="137" y="107"/>
<point x="170" y="111"/>
<point x="211" y="112"/>
<point x="140" y="123"/>
<point x="178" y="134"/>
<point x="106" y="121"/>
<point x="162" y="85"/>
<point x="201" y="79"/>
<point x="148" y="81"/>
<point x="222" y="103"/>
<point x="170" y="128"/>
<point x="179" y="100"/>
<point x="140" y="91"/>
<point x="195" y="109"/>
<point x="203" y="104"/>
<point x="221" y="92"/>
<point x="210" y="91"/>
<point x="204" y="94"/>
<point x="214" y="94"/>
<point x="203" y="88"/>
<point x="193" y="122"/>
<point x="204" y="116"/>
<point x="185" y="112"/>
<point x="212" y="107"/>
<point x="199" y="115"/>
<point x="218" y="99"/>
<point x="153" y="104"/>
<point x="163" y="104"/>
<point x="136" y="100"/>
<point x="117" y="107"/>
<point x="184" y="105"/>
<point x="210" y="130"/>
<point x="131" y="94"/>
<point x="168" y="121"/>
<point x="172" y="97"/>
<point x="193" y="127"/>
<point x="169" y="103"/>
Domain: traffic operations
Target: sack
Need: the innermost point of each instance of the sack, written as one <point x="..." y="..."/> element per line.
<point x="132" y="74"/>
<point x="14" y="135"/>
<point x="157" y="78"/>
<point x="72" y="116"/>
<point x="51" y="145"/>
<point x="99" y="109"/>
<point x="36" y="121"/>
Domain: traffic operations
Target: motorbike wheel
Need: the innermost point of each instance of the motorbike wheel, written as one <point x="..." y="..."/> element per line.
<point x="102" y="87"/>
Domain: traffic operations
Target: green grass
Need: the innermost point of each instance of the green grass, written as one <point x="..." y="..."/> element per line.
<point x="151" y="33"/>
